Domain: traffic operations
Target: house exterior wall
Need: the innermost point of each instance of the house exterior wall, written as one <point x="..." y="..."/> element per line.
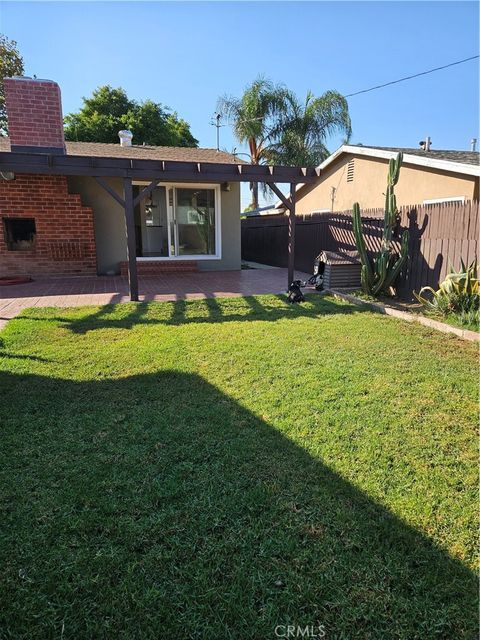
<point x="110" y="225"/>
<point x="231" y="234"/>
<point x="415" y="185"/>
<point x="64" y="241"/>
<point x="109" y="220"/>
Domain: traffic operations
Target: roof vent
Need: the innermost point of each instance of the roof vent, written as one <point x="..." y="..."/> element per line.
<point x="350" y="170"/>
<point x="473" y="144"/>
<point x="425" y="144"/>
<point x="125" y="138"/>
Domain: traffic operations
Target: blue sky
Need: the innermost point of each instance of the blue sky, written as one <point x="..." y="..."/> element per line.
<point x="186" y="54"/>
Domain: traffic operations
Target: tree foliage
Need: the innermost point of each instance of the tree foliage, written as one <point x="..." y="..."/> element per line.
<point x="254" y="117"/>
<point x="109" y="110"/>
<point x="279" y="129"/>
<point x="11" y="64"/>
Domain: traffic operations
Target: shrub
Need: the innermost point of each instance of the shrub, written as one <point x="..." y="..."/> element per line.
<point x="458" y="295"/>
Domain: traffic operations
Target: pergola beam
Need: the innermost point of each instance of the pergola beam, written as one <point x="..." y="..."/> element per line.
<point x="279" y="194"/>
<point x="145" y="192"/>
<point x="111" y="191"/>
<point x="162" y="170"/>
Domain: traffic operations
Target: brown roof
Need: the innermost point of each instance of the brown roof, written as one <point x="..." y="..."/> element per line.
<point x="465" y="157"/>
<point x="147" y="152"/>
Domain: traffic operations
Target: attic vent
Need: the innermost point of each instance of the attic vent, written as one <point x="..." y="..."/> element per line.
<point x="350" y="168"/>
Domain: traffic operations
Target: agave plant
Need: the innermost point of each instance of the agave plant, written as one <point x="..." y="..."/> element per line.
<point x="459" y="292"/>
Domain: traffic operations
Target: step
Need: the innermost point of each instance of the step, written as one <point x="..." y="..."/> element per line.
<point x="157" y="267"/>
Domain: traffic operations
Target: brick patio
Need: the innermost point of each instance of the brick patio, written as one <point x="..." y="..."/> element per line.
<point x="79" y="291"/>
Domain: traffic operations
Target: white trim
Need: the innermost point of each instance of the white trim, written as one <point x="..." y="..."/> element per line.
<point x="408" y="158"/>
<point x="440" y="200"/>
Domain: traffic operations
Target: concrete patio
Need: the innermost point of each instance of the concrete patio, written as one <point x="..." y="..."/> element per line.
<point x="80" y="291"/>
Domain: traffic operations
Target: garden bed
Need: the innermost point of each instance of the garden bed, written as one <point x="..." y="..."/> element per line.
<point x="413" y="314"/>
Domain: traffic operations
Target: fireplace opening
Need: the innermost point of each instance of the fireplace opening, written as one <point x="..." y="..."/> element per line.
<point x="19" y="233"/>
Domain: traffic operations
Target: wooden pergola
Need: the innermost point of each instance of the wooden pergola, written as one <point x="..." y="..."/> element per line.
<point x="156" y="171"/>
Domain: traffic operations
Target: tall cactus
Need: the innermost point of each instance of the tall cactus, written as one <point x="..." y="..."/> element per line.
<point x="380" y="274"/>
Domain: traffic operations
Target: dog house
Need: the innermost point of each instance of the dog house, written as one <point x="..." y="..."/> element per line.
<point x="340" y="270"/>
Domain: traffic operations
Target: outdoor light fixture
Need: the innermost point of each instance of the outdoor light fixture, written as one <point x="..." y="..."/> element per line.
<point x="149" y="204"/>
<point x="226" y="186"/>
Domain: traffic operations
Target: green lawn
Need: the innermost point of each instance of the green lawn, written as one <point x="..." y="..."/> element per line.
<point x="213" y="469"/>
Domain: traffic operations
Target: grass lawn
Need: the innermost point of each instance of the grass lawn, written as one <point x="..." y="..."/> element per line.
<point x="213" y="469"/>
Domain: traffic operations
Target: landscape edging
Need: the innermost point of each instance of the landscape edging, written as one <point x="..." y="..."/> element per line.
<point x="379" y="307"/>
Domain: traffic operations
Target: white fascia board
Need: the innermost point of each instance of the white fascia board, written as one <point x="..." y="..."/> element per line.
<point x="325" y="163"/>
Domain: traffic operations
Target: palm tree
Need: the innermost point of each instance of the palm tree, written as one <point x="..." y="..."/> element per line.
<point x="278" y="129"/>
<point x="255" y="116"/>
<point x="301" y="133"/>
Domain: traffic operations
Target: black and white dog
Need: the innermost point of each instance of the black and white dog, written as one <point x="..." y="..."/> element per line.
<point x="295" y="293"/>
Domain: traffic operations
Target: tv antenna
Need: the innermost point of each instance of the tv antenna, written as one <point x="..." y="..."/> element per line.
<point x="216" y="123"/>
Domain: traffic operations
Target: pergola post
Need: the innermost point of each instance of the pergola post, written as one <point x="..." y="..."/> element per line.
<point x="289" y="204"/>
<point x="131" y="241"/>
<point x="291" y="236"/>
<point x="128" y="203"/>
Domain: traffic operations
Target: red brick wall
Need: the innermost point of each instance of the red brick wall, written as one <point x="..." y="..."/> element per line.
<point x="65" y="240"/>
<point x="157" y="267"/>
<point x="34" y="110"/>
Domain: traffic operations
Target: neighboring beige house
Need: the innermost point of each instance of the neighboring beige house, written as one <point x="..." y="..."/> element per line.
<point x="356" y="173"/>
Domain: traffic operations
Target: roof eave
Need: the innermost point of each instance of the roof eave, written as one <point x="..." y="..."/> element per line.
<point x="432" y="163"/>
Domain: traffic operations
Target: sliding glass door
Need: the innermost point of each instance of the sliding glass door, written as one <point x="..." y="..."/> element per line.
<point x="193" y="214"/>
<point x="179" y="221"/>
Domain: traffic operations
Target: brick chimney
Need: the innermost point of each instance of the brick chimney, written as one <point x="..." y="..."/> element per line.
<point x="35" y="121"/>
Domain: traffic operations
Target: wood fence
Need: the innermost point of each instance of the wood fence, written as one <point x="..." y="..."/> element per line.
<point x="440" y="235"/>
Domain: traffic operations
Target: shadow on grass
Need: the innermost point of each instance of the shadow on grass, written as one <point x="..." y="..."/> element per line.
<point x="265" y="308"/>
<point x="156" y="506"/>
<point x="18" y="356"/>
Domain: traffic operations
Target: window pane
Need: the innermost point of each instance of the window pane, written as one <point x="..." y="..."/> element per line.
<point x="195" y="214"/>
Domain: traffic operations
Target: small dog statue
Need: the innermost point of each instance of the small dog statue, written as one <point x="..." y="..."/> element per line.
<point x="295" y="293"/>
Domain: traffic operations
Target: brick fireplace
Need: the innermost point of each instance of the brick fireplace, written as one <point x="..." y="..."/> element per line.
<point x="44" y="229"/>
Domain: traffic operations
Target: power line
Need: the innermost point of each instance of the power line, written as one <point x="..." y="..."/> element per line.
<point x="416" y="75"/>
<point x="380" y="86"/>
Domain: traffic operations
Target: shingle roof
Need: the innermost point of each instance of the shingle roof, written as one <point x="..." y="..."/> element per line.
<point x="147" y="152"/>
<point x="464" y="157"/>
